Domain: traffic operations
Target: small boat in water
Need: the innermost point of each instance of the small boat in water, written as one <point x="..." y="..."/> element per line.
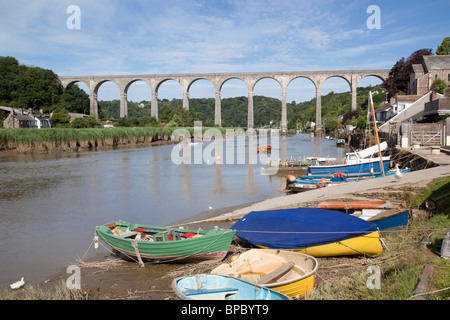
<point x="221" y="287"/>
<point x="300" y="185"/>
<point x="317" y="232"/>
<point x="386" y="215"/>
<point x="264" y="149"/>
<point x="288" y="272"/>
<point x="163" y="244"/>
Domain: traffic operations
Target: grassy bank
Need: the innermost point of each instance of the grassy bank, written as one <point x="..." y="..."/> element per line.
<point x="403" y="258"/>
<point x="62" y="139"/>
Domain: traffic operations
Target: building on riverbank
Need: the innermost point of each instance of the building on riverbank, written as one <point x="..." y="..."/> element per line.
<point x="25" y="118"/>
<point x="422" y="76"/>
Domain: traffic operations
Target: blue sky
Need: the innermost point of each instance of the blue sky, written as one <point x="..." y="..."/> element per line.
<point x="207" y="36"/>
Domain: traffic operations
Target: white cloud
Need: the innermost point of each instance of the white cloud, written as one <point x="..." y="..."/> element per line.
<point x="143" y="36"/>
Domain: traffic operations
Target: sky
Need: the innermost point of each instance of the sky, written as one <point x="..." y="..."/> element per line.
<point x="112" y="37"/>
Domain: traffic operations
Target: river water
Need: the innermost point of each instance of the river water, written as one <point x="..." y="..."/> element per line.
<point x="51" y="203"/>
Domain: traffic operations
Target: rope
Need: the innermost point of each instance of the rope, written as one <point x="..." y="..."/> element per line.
<point x="363" y="253"/>
<point x="307" y="232"/>
<point x="420" y="293"/>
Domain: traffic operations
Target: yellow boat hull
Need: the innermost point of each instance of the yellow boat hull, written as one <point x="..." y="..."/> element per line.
<point x="297" y="289"/>
<point x="297" y="283"/>
<point x="369" y="244"/>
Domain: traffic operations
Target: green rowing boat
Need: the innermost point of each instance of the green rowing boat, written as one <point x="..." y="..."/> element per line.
<point x="164" y="244"/>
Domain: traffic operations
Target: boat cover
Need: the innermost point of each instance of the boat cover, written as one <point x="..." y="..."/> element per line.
<point x="299" y="227"/>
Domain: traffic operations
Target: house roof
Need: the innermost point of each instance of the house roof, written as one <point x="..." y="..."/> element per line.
<point x="408" y="98"/>
<point x="383" y="107"/>
<point x="24" y="117"/>
<point x="438" y="62"/>
<point x="417" y="68"/>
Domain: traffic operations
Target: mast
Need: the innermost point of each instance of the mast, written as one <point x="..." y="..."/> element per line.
<point x="376" y="132"/>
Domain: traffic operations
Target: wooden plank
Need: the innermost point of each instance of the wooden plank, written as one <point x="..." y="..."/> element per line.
<point x="424" y="283"/>
<point x="277" y="273"/>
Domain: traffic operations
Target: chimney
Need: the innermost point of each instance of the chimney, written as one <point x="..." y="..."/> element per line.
<point x="433" y="96"/>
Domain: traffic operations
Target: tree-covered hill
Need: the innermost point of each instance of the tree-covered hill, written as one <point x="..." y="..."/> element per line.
<point x="40" y="89"/>
<point x="235" y="110"/>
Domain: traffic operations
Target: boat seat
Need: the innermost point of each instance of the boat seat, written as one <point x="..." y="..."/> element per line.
<point x="128" y="234"/>
<point x="212" y="294"/>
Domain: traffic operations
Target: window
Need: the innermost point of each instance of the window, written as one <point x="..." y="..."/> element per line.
<point x="448" y="77"/>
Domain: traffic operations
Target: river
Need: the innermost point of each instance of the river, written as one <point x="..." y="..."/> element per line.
<point x="51" y="203"/>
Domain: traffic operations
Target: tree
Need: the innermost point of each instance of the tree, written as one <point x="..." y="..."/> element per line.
<point x="398" y="79"/>
<point x="444" y="48"/>
<point x="73" y="99"/>
<point x="9" y="68"/>
<point x="439" y="86"/>
<point x="85" y="122"/>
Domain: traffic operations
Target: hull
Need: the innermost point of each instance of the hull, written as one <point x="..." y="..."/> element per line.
<point x="386" y="215"/>
<point x="255" y="264"/>
<point x="367" y="168"/>
<point x="167" y="244"/>
<point x="317" y="232"/>
<point x="310" y="184"/>
<point x="221" y="287"/>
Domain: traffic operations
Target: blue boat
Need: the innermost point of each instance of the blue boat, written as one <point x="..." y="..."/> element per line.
<point x="311" y="182"/>
<point x="365" y="167"/>
<point x="221" y="287"/>
<point x="307" y="183"/>
<point x="317" y="232"/>
<point x="355" y="164"/>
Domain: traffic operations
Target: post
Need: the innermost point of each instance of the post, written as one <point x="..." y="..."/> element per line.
<point x="318" y="109"/>
<point x="123" y="105"/>
<point x="376" y="133"/>
<point x="218" y="110"/>
<point x="283" y="112"/>
<point x="93" y="105"/>
<point x="154" y="105"/>
<point x="250" y="124"/>
<point x="186" y="100"/>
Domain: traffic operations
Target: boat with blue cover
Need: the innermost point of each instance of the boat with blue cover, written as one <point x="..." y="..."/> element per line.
<point x="210" y="286"/>
<point x="317" y="232"/>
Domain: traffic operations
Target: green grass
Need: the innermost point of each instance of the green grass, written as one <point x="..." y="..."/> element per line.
<point x="57" y="135"/>
<point x="58" y="292"/>
<point x="403" y="260"/>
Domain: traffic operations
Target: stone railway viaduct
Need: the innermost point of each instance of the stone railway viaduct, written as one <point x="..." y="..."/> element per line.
<point x="218" y="79"/>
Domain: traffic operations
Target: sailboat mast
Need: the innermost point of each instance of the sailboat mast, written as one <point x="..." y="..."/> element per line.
<point x="376" y="132"/>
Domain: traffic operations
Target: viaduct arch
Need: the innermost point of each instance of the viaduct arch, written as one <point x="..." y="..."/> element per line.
<point x="218" y="79"/>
